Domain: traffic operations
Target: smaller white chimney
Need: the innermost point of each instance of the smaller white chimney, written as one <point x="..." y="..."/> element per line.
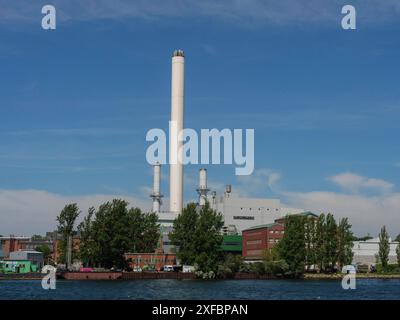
<point x="202" y="190"/>
<point x="156" y="195"/>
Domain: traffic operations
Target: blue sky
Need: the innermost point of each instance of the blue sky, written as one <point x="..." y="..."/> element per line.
<point x="76" y="103"/>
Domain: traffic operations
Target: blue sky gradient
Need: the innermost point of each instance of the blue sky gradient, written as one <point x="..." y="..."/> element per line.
<point x="76" y="103"/>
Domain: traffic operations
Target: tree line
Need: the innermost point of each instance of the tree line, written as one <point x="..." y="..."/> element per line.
<point x="108" y="232"/>
<point x="315" y="243"/>
<point x="309" y="243"/>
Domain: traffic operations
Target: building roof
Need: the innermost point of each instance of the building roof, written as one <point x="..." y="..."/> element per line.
<point x="27" y="251"/>
<point x="14" y="237"/>
<point x="262" y="226"/>
<point x="305" y="214"/>
<point x="309" y="213"/>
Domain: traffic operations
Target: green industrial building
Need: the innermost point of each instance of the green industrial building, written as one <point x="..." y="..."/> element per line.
<point x="17" y="266"/>
<point x="232" y="244"/>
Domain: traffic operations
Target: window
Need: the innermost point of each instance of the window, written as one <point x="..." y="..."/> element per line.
<point x="254" y="252"/>
<point x="253" y="242"/>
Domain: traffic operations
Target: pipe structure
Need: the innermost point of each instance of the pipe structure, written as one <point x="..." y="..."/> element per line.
<point x="176" y="127"/>
<point x="156" y="195"/>
<point x="202" y="190"/>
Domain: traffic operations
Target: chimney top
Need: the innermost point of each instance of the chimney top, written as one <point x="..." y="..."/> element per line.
<point x="178" y="53"/>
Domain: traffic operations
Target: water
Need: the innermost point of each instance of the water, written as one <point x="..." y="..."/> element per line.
<point x="367" y="289"/>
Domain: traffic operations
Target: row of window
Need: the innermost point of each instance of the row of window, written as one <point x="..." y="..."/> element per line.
<point x="169" y="261"/>
<point x="276" y="231"/>
<point x="252" y="242"/>
<point x="254" y="252"/>
<point x="259" y="209"/>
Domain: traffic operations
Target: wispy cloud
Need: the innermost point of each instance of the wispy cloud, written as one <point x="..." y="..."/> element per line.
<point x="355" y="183"/>
<point x="93" y="132"/>
<point x="261" y="182"/>
<point x="27" y="212"/>
<point x="248" y="12"/>
<point x="61" y="169"/>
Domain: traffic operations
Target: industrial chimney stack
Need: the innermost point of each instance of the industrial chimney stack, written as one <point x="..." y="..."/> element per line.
<point x="202" y="190"/>
<point x="156" y="195"/>
<point x="176" y="127"/>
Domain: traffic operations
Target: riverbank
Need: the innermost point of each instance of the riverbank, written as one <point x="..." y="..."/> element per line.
<point x="336" y="276"/>
<point x="21" y="276"/>
<point x="113" y="276"/>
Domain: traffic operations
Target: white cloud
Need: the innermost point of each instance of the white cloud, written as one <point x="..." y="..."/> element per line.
<point x="34" y="211"/>
<point x="366" y="214"/>
<point x="260" y="182"/>
<point x="25" y="212"/>
<point x="355" y="183"/>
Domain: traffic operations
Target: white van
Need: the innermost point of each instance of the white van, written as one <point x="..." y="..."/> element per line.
<point x="168" y="268"/>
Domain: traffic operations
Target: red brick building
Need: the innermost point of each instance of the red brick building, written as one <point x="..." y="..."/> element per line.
<point x="258" y="239"/>
<point x="11" y="243"/>
<point x="156" y="260"/>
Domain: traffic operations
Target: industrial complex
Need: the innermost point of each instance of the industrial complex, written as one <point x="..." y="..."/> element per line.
<point x="251" y="225"/>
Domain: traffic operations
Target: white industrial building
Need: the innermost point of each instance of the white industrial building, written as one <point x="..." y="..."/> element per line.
<point x="366" y="252"/>
<point x="239" y="213"/>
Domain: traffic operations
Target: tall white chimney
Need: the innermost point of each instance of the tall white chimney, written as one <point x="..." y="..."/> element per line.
<point x="202" y="190"/>
<point x="156" y="195"/>
<point x="176" y="127"/>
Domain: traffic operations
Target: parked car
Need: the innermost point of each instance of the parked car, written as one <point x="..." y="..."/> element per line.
<point x="168" y="268"/>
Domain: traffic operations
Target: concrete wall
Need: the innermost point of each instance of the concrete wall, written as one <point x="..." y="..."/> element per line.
<point x="365" y="251"/>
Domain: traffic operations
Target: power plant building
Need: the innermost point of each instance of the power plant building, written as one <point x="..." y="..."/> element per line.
<point x="239" y="213"/>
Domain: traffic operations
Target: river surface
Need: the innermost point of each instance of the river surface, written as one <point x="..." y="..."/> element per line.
<point x="366" y="289"/>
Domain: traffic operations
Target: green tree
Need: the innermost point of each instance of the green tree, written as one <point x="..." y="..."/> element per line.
<point x="319" y="243"/>
<point x="37" y="237"/>
<point x="310" y="241"/>
<point x="330" y="242"/>
<point x="144" y="230"/>
<point x="46" y="252"/>
<point x="270" y="255"/>
<point x="398" y="254"/>
<point x="384" y="247"/>
<point x="112" y="230"/>
<point x="345" y="243"/>
<point x="183" y="234"/>
<point x="87" y="249"/>
<point x="66" y="222"/>
<point x="292" y="247"/>
<point x="197" y="232"/>
<point x="230" y="265"/>
<point x="397" y="239"/>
